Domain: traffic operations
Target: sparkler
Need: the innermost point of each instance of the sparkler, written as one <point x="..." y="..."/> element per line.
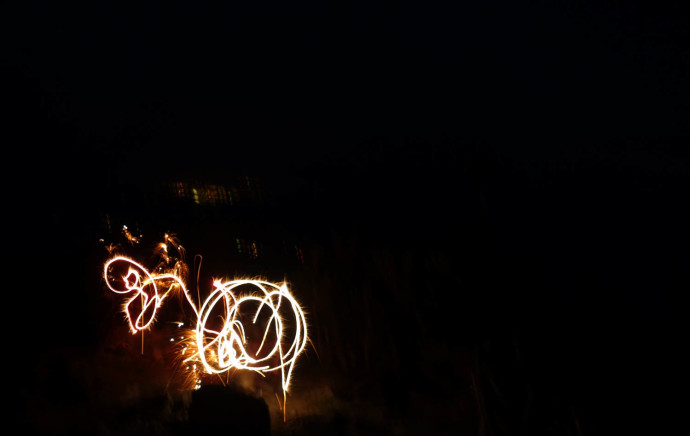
<point x="243" y="324"/>
<point x="228" y="345"/>
<point x="145" y="289"/>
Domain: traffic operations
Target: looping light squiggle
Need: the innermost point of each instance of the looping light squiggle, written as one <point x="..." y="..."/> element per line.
<point x="262" y="329"/>
<point x="144" y="287"/>
<point x="227" y="347"/>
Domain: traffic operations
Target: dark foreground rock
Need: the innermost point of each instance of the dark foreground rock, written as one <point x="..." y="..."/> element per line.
<point x="226" y="410"/>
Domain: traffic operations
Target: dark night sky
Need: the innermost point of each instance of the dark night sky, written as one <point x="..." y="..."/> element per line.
<point x="556" y="131"/>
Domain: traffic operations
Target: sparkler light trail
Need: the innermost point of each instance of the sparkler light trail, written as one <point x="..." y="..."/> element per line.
<point x="144" y="287"/>
<point x="243" y="324"/>
<point x="226" y="347"/>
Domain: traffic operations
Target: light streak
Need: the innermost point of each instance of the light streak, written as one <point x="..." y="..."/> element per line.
<point x="226" y="347"/>
<point x="247" y="324"/>
<point x="145" y="288"/>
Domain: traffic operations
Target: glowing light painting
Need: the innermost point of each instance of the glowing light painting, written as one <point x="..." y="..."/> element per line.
<point x="243" y="324"/>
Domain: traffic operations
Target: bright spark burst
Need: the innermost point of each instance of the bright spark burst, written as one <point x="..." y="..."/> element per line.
<point x="243" y="324"/>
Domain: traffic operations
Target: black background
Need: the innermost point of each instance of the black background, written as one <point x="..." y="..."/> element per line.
<point x="530" y="157"/>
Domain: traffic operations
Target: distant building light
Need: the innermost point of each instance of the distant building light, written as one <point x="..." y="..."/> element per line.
<point x="204" y="194"/>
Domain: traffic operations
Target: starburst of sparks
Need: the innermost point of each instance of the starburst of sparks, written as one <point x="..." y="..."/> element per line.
<point x="245" y="324"/>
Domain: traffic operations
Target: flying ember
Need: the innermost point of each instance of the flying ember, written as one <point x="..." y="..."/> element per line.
<point x="246" y="324"/>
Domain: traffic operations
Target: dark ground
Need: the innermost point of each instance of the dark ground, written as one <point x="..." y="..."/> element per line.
<point x="482" y="208"/>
